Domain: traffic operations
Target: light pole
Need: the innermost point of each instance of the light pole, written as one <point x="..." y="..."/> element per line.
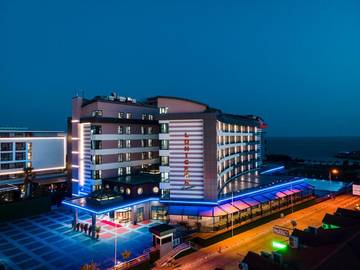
<point x="232" y="215"/>
<point x="333" y="172"/>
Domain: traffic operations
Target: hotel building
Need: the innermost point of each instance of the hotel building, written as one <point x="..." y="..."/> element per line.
<point x="44" y="151"/>
<point x="114" y="139"/>
<point x="203" y="149"/>
<point x="172" y="159"/>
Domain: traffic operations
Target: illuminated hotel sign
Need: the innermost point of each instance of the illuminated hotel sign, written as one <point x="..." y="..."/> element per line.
<point x="186" y="161"/>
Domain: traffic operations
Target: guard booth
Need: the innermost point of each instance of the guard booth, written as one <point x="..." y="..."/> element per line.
<point x="163" y="238"/>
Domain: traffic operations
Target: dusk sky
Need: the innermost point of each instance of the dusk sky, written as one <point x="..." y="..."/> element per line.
<point x="295" y="63"/>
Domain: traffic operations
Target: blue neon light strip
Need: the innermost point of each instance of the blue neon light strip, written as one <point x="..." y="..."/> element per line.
<point x="261" y="190"/>
<point x="109" y="209"/>
<point x="190" y="202"/>
<point x="273" y="170"/>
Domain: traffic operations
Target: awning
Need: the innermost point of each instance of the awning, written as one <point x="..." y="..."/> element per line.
<point x="288" y="192"/>
<point x="212" y="212"/>
<point x="250" y="201"/>
<point x="270" y="195"/>
<point x="261" y="199"/>
<point x="280" y="194"/>
<point x="229" y="208"/>
<point x="184" y="210"/>
<point x="240" y="205"/>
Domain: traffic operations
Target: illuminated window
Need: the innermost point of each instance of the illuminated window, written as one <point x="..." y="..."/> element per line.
<point x="128" y="115"/>
<point x="122" y="190"/>
<point x="163" y="110"/>
<point x="127" y="156"/>
<point x="155" y="190"/>
<point x="128" y="143"/>
<point x="97" y="113"/>
<point x="121" y="115"/>
<point x="120" y="130"/>
<point x="128" y="170"/>
<point x="140" y="191"/>
<point x="164" y="128"/>
<point x="128" y="191"/>
<point x="120" y="171"/>
<point x="128" y="130"/>
<point x="150" y="117"/>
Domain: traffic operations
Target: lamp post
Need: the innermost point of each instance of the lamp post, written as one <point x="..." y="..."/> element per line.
<point x="333" y="172"/>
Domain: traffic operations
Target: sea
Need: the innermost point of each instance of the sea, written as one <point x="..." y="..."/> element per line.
<point x="312" y="148"/>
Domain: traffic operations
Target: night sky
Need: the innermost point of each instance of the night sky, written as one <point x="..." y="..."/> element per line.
<point x="295" y="63"/>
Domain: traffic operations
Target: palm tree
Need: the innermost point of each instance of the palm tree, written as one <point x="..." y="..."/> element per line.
<point x="126" y="254"/>
<point x="28" y="180"/>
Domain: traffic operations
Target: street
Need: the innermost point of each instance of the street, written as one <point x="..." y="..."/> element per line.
<point x="228" y="253"/>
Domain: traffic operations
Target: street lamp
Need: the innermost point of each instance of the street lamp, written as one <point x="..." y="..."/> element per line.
<point x="333" y="172"/>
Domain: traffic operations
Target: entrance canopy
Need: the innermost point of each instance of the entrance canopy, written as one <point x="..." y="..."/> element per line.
<point x="98" y="209"/>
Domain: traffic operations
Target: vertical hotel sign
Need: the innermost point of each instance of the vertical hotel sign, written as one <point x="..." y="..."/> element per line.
<point x="186" y="161"/>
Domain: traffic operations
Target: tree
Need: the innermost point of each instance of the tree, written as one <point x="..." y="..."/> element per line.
<point x="126" y="254"/>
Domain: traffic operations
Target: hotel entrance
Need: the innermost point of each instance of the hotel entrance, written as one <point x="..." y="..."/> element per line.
<point x="122" y="215"/>
<point x="140" y="214"/>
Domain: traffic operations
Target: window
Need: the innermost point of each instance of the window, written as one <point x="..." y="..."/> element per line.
<point x="120" y="143"/>
<point x="120" y="157"/>
<point x="143" y="116"/>
<point x="95" y="144"/>
<point x="128" y="170"/>
<point x="128" y="191"/>
<point x="143" y="155"/>
<point x="149" y="130"/>
<point x="128" y="115"/>
<point x="155" y="190"/>
<point x="149" y="155"/>
<point x="7" y="156"/>
<point x="142" y="130"/>
<point x="164" y="128"/>
<point x="120" y="130"/>
<point x="163" y="110"/>
<point x="96" y="159"/>
<point x="143" y="143"/>
<point x="164" y="176"/>
<point x="164" y="161"/>
<point x="97" y="113"/>
<point x="6" y="146"/>
<point x="128" y="130"/>
<point x="128" y="143"/>
<point x="127" y="157"/>
<point x="96" y="174"/>
<point x="164" y="144"/>
<point x="120" y="171"/>
<point x="96" y="130"/>
<point x="149" y="142"/>
<point x="150" y="117"/>
<point x="122" y="190"/>
<point x="140" y="191"/>
<point x="20" y="146"/>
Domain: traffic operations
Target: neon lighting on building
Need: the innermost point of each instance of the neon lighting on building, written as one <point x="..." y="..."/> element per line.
<point x="112" y="208"/>
<point x="273" y="170"/>
<point x="81" y="156"/>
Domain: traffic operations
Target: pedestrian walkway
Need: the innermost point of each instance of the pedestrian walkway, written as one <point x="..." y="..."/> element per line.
<point x="48" y="242"/>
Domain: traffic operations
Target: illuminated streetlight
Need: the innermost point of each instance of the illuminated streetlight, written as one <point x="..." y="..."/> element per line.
<point x="333" y="172"/>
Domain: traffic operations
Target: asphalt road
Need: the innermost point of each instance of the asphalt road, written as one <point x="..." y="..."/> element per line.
<point x="228" y="253"/>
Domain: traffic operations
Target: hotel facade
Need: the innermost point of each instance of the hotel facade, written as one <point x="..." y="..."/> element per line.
<point x="44" y="151"/>
<point x="172" y="159"/>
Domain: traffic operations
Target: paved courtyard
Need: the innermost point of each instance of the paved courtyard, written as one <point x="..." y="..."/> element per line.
<point x="48" y="242"/>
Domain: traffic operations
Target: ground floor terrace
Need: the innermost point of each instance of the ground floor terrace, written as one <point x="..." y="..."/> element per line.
<point x="241" y="209"/>
<point x="115" y="213"/>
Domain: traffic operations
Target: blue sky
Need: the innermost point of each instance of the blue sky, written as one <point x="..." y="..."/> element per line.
<point x="295" y="63"/>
